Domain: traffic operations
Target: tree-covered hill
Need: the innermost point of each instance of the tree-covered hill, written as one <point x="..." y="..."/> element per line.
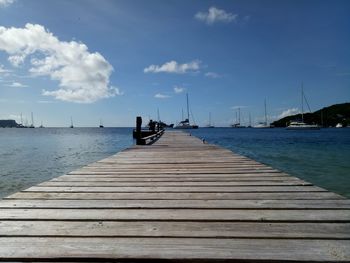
<point x="326" y="117"/>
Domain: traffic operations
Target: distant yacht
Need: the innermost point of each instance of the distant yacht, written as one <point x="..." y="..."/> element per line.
<point x="41" y="125"/>
<point x="185" y="124"/>
<point x="32" y="125"/>
<point x="339" y="125"/>
<point x="71" y="123"/>
<point x="237" y="124"/>
<point x="209" y="124"/>
<point x="301" y="125"/>
<point x="101" y="125"/>
<point x="263" y="125"/>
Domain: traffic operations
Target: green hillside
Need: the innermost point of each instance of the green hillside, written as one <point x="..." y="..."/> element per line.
<point x="326" y="117"/>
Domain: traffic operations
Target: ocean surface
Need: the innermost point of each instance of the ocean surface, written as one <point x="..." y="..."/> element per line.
<point x="30" y="156"/>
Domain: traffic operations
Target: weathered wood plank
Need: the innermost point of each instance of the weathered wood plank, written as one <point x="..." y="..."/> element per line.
<point x="189" y="204"/>
<point x="175" y="229"/>
<point x="173" y="184"/>
<point x="177" y="196"/>
<point x="174" y="189"/>
<point x="169" y="248"/>
<point x="301" y="215"/>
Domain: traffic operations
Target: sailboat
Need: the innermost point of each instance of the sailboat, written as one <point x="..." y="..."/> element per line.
<point x="185" y="124"/>
<point x="301" y="125"/>
<point x="263" y="125"/>
<point x="209" y="124"/>
<point x="101" y="125"/>
<point x="41" y="125"/>
<point x="71" y="123"/>
<point x="32" y="125"/>
<point x="238" y="120"/>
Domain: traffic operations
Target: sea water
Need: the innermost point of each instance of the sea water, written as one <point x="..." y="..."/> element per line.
<point x="321" y="157"/>
<point x="31" y="156"/>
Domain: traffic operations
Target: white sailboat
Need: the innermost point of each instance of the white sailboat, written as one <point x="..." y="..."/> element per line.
<point x="71" y="123"/>
<point x="301" y="125"/>
<point x="238" y="120"/>
<point x="185" y="124"/>
<point x="209" y="124"/>
<point x="263" y="125"/>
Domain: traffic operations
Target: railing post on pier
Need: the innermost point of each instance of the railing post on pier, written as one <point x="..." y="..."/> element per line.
<point x="138" y="129"/>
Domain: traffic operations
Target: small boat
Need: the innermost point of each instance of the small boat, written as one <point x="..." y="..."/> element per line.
<point x="339" y="125"/>
<point x="185" y="124"/>
<point x="301" y="125"/>
<point x="101" y="125"/>
<point x="41" y="125"/>
<point x="209" y="124"/>
<point x="263" y="125"/>
<point x="71" y="123"/>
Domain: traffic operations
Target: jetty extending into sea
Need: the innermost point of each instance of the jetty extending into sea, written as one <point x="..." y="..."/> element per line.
<point x="177" y="200"/>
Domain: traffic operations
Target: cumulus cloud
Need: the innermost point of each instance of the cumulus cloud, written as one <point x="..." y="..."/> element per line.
<point x="174" y="67"/>
<point x="5" y="3"/>
<point x="212" y="75"/>
<point x="17" y="85"/>
<point x="83" y="76"/>
<point x="215" y="15"/>
<point x="161" y="96"/>
<point x="288" y="112"/>
<point x="178" y="89"/>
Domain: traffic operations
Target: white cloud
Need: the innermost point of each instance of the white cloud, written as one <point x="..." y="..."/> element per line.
<point x="5" y="3"/>
<point x="161" y="96"/>
<point x="215" y="15"/>
<point x="83" y="76"/>
<point x="17" y="85"/>
<point x="238" y="107"/>
<point x="174" y="67"/>
<point x="178" y="89"/>
<point x="288" y="112"/>
<point x="212" y="75"/>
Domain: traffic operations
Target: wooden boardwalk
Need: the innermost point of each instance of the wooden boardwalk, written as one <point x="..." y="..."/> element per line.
<point x="177" y="200"/>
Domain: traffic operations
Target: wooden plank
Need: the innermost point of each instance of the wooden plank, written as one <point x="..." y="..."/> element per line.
<point x="169" y="248"/>
<point x="172" y="184"/>
<point x="189" y="204"/>
<point x="175" y="229"/>
<point x="100" y="178"/>
<point x="300" y="215"/>
<point x="177" y="196"/>
<point x="174" y="189"/>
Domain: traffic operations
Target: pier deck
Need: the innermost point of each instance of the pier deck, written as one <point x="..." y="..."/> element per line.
<point x="179" y="200"/>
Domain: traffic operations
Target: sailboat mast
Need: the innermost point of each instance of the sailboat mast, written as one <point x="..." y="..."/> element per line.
<point x="209" y="118"/>
<point x="265" y="112"/>
<point x="188" y="108"/>
<point x="302" y="102"/>
<point x="32" y="119"/>
<point x="250" y="120"/>
<point x="239" y="115"/>
<point x="158" y="115"/>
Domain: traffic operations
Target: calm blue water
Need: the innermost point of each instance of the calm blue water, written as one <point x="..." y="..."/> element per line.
<point x="30" y="156"/>
<point x="321" y="157"/>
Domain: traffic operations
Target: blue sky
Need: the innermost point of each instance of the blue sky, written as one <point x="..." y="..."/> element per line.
<point x="118" y="59"/>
